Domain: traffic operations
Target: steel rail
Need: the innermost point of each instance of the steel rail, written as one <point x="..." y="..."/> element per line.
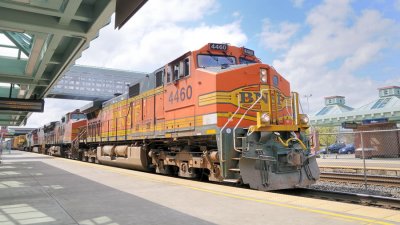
<point x="359" y="178"/>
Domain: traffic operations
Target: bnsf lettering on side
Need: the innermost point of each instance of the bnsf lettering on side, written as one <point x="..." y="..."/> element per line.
<point x="250" y="97"/>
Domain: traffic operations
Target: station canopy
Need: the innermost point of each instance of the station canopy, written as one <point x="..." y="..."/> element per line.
<point x="40" y="40"/>
<point x="384" y="108"/>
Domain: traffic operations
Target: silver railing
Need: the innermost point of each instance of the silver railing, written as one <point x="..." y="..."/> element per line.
<point x="370" y="158"/>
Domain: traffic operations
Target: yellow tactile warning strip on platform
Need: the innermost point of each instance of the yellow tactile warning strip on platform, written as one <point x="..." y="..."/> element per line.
<point x="353" y="212"/>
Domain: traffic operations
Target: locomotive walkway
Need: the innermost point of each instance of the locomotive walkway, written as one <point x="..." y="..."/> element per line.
<point x="39" y="189"/>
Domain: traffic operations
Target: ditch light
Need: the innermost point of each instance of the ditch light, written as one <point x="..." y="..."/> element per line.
<point x="23" y="105"/>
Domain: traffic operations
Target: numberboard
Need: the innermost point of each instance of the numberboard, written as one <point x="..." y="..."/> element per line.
<point x="219" y="47"/>
<point x="249" y="52"/>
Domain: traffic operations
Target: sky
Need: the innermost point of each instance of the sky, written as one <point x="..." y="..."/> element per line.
<point x="324" y="48"/>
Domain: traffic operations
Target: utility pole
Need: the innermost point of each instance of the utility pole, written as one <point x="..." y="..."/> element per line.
<point x="308" y="104"/>
<point x="1" y="144"/>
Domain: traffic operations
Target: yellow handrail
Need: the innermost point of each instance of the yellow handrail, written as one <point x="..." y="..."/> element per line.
<point x="286" y="144"/>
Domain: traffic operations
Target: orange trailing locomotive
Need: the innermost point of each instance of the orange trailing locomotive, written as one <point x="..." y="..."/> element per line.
<point x="215" y="112"/>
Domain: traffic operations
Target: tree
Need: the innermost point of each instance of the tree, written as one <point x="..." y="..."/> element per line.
<point x="327" y="135"/>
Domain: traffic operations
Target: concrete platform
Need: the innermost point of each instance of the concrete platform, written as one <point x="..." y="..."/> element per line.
<point x="38" y="189"/>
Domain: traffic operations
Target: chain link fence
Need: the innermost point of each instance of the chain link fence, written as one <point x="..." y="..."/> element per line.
<point x="369" y="158"/>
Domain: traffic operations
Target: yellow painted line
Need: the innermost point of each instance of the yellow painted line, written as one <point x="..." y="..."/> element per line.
<point x="322" y="212"/>
<point x="332" y="214"/>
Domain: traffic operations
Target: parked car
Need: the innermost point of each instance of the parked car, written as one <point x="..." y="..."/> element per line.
<point x="321" y="151"/>
<point x="348" y="149"/>
<point x="334" y="148"/>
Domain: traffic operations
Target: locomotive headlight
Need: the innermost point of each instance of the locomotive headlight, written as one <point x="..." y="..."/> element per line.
<point x="304" y="119"/>
<point x="265" y="118"/>
<point x="263" y="75"/>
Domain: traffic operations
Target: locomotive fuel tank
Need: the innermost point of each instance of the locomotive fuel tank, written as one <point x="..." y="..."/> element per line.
<point x="121" y="151"/>
<point x="108" y="150"/>
<point x="131" y="157"/>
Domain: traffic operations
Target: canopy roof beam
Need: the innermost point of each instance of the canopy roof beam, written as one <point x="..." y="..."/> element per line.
<point x="31" y="22"/>
<point x="22" y="41"/>
<point x="83" y="14"/>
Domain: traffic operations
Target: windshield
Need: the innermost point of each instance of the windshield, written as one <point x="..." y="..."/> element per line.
<point x="78" y="116"/>
<point x="246" y="61"/>
<point x="215" y="60"/>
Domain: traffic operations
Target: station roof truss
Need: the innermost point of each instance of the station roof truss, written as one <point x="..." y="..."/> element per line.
<point x="39" y="41"/>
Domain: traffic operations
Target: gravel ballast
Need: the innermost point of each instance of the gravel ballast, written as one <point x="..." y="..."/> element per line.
<point x="393" y="192"/>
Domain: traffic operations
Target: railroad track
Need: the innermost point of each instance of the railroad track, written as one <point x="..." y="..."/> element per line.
<point x="361" y="199"/>
<point x="359" y="178"/>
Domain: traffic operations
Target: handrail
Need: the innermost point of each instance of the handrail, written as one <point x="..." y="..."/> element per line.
<point x="244" y="114"/>
<point x="80" y="134"/>
<point x="287" y="109"/>
<point x="221" y="159"/>
<point x="126" y="120"/>
<point x="295" y="97"/>
<point x="286" y="144"/>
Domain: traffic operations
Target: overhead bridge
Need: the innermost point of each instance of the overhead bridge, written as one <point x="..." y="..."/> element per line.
<point x="93" y="83"/>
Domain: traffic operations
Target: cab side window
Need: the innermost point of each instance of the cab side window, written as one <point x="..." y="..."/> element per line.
<point x="176" y="72"/>
<point x="186" y="67"/>
<point x="275" y="81"/>
<point x="159" y="78"/>
<point x="169" y="73"/>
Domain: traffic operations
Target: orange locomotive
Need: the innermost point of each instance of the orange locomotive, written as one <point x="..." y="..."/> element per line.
<point x="18" y="142"/>
<point x="216" y="112"/>
<point x="57" y="137"/>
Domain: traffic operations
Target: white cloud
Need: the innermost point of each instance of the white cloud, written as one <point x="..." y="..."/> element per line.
<point x="339" y="42"/>
<point x="361" y="56"/>
<point x="298" y="3"/>
<point x="161" y="45"/>
<point x="158" y="33"/>
<point x="236" y="14"/>
<point x="275" y="38"/>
